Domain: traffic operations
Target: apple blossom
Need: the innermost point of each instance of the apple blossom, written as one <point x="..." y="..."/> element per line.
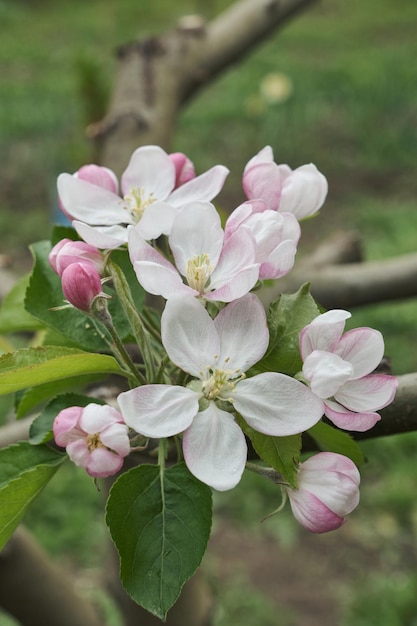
<point x="67" y="251"/>
<point x="81" y="284"/>
<point x="276" y="236"/>
<point x="217" y="353"/>
<point x="211" y="267"/>
<point x="338" y="369"/>
<point x="95" y="438"/>
<point x="328" y="490"/>
<point x="149" y="198"/>
<point x="301" y="192"/>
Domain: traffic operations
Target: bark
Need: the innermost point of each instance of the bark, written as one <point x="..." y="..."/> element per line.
<point x="156" y="76"/>
<point x="35" y="590"/>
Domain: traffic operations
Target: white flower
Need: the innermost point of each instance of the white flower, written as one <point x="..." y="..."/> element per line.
<point x="217" y="353"/>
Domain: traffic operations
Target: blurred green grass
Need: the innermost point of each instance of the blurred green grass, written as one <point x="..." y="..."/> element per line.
<point x="352" y="111"/>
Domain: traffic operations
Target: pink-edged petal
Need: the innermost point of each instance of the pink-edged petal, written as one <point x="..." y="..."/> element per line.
<point x="334" y="479"/>
<point x="151" y="170"/>
<point x="263" y="156"/>
<point x="304" y="191"/>
<point x="236" y="287"/>
<point x="312" y="514"/>
<point x="243" y="333"/>
<point x="156" y="275"/>
<point x="97" y="417"/>
<point x="196" y="230"/>
<point x="363" y="348"/>
<point x="116" y="438"/>
<point x="78" y="452"/>
<point x="275" y="404"/>
<point x="189" y="335"/>
<point x="103" y="463"/>
<point x="238" y="217"/>
<point x="324" y="332"/>
<point x="326" y="372"/>
<point x="103" y="237"/>
<point x="159" y="410"/>
<point x="157" y="220"/>
<point x="202" y="188"/>
<point x="350" y="420"/>
<point x="89" y="203"/>
<point x="215" y="449"/>
<point x="100" y="176"/>
<point x="369" y="393"/>
<point x="263" y="181"/>
<point x="66" y="425"/>
<point x="279" y="262"/>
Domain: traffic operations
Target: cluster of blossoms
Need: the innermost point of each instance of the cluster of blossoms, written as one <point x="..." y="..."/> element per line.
<point x="213" y="328"/>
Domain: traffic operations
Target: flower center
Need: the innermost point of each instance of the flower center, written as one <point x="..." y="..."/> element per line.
<point x="135" y="202"/>
<point x="93" y="442"/>
<point x="221" y="383"/>
<point x="198" y="271"/>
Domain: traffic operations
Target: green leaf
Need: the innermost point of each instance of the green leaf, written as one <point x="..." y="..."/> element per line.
<point x="44" y="294"/>
<point x="13" y="316"/>
<point x="24" y="472"/>
<point x="287" y="316"/>
<point x="41" y="428"/>
<point x="332" y="439"/>
<point x="35" y="366"/>
<point x="281" y="453"/>
<point x="160" y="521"/>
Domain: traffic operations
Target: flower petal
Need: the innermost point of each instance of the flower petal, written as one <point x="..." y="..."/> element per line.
<point x="104" y="237"/>
<point x="157" y="220"/>
<point x="276" y="404"/>
<point x="158" y="410"/>
<point x="326" y="372"/>
<point x="103" y="463"/>
<point x="202" y="188"/>
<point x="97" y="417"/>
<point x="189" y="335"/>
<point x="263" y="156"/>
<point x="369" y="393"/>
<point x="323" y="332"/>
<point x="363" y="348"/>
<point x="215" y="449"/>
<point x="243" y="333"/>
<point x="303" y="191"/>
<point x="263" y="181"/>
<point x="151" y="170"/>
<point x="116" y="438"/>
<point x="312" y="514"/>
<point x="78" y="452"/>
<point x="350" y="420"/>
<point x="89" y="203"/>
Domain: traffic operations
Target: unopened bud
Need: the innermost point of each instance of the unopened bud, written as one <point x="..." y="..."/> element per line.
<point x="66" y="252"/>
<point x="184" y="168"/>
<point x="81" y="284"/>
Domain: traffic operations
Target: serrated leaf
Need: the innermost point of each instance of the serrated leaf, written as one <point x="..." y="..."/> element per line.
<point x="287" y="316"/>
<point x="281" y="453"/>
<point x="35" y="366"/>
<point x="331" y="439"/>
<point x="24" y="472"/>
<point x="13" y="316"/>
<point x="160" y="521"/>
<point x="41" y="428"/>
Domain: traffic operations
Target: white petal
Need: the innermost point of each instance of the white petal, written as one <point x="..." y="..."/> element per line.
<point x="90" y="203"/>
<point x="116" y="438"/>
<point x="151" y="170"/>
<point x="157" y="220"/>
<point x="304" y="191"/>
<point x="326" y="372"/>
<point x="202" y="188"/>
<point x="324" y="332"/>
<point x="158" y="410"/>
<point x="369" y="393"/>
<point x="104" y="237"/>
<point x="196" y="230"/>
<point x="263" y="156"/>
<point x="215" y="449"/>
<point x="237" y="286"/>
<point x="96" y="417"/>
<point x="363" y="348"/>
<point x="275" y="404"/>
<point x="243" y="333"/>
<point x="189" y="335"/>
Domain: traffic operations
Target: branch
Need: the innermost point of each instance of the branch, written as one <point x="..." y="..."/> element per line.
<point x="337" y="282"/>
<point x="157" y="75"/>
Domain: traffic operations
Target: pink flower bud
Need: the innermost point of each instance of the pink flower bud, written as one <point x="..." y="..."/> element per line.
<point x="100" y="176"/>
<point x="184" y="168"/>
<point x="95" y="438"/>
<point x="328" y="489"/>
<point x="66" y="252"/>
<point x="81" y="284"/>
